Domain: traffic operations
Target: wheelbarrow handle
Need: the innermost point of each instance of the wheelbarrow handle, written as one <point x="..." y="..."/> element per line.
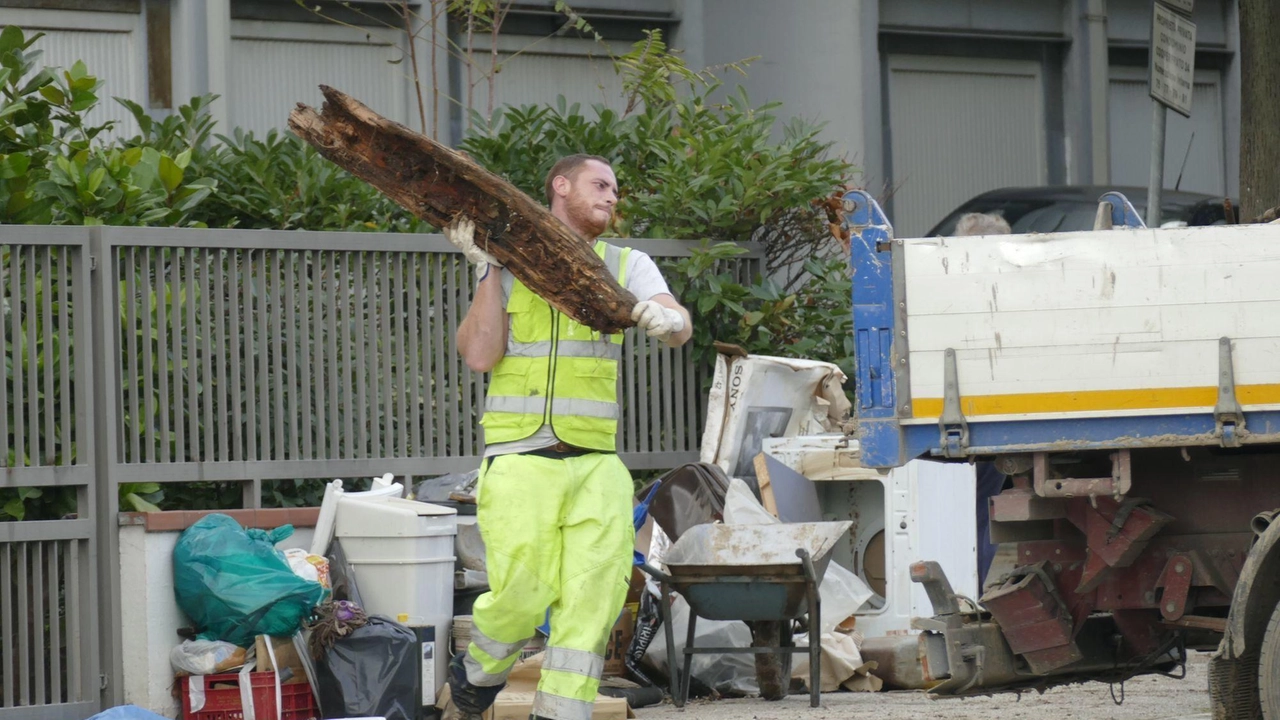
<point x="655" y="573"/>
<point x="807" y="563"/>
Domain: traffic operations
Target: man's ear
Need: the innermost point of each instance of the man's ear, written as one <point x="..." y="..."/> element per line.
<point x="560" y="184"/>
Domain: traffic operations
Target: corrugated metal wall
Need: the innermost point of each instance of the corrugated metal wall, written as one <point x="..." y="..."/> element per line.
<point x="533" y="78"/>
<point x="301" y="57"/>
<point x="1130" y="125"/>
<point x="111" y="56"/>
<point x="961" y="126"/>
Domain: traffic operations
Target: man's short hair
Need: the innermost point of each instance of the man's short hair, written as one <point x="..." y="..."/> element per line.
<point x="982" y="224"/>
<point x="568" y="166"/>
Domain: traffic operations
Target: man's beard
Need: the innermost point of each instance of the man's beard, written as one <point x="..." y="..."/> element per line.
<point x="583" y="218"/>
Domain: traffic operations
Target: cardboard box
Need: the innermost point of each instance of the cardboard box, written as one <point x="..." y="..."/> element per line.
<point x="286" y="657"/>
<point x="619" y="640"/>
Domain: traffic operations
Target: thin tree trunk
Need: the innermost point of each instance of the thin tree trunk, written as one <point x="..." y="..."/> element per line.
<point x="1259" y="106"/>
<point x="438" y="184"/>
<point x="411" y="36"/>
<point x="435" y="75"/>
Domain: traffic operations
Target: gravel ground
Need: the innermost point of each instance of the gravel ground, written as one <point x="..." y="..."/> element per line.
<point x="1146" y="698"/>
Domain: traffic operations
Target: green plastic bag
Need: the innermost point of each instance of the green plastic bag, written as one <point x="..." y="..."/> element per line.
<point x="234" y="584"/>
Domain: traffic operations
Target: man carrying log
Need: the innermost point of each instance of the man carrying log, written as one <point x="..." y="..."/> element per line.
<point x="554" y="498"/>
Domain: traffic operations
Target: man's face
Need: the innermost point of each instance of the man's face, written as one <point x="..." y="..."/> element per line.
<point x="593" y="191"/>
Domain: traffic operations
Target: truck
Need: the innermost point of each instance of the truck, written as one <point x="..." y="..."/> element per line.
<point x="1126" y="381"/>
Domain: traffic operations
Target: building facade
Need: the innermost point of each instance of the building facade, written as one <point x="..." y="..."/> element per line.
<point x="934" y="100"/>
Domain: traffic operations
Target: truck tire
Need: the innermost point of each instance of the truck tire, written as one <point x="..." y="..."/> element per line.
<point x="1269" y="669"/>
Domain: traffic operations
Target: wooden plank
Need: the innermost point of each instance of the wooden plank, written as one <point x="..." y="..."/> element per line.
<point x="767" y="498"/>
<point x="279" y="358"/>
<point x="262" y="313"/>
<point x="310" y="336"/>
<point x="294" y="355"/>
<point x="15" y="353"/>
<point x="56" y="661"/>
<point x="143" y="425"/>
<point x="438" y="184"/>
<point x="6" y="348"/>
<point x="225" y="400"/>
<point x="417" y="411"/>
<point x="191" y="350"/>
<point x="33" y="378"/>
<point x="333" y="429"/>
<point x="439" y="380"/>
<point x="386" y="445"/>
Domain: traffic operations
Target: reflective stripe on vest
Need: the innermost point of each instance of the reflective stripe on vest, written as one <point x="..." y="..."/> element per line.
<point x="548" y="355"/>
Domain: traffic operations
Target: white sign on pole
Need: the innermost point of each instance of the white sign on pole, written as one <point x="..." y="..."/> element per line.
<point x="1173" y="59"/>
<point x="1183" y="6"/>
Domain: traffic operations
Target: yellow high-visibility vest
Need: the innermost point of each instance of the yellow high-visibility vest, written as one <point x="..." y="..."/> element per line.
<point x="557" y="372"/>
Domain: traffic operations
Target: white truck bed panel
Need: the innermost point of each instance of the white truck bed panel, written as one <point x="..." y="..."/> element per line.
<point x="1056" y="325"/>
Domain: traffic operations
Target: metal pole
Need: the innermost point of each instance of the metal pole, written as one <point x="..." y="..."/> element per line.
<point x="1156" y="185"/>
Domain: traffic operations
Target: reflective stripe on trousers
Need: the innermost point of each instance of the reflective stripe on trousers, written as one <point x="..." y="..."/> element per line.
<point x="557" y="534"/>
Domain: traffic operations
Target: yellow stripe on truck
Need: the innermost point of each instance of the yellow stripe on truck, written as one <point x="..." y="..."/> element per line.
<point x="1096" y="401"/>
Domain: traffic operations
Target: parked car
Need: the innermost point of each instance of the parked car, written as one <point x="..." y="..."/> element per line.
<point x="1073" y="207"/>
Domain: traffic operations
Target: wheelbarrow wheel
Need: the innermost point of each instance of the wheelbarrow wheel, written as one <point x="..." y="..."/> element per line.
<point x="773" y="670"/>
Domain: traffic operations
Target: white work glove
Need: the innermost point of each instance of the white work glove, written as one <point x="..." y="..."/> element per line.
<point x="462" y="233"/>
<point x="657" y="321"/>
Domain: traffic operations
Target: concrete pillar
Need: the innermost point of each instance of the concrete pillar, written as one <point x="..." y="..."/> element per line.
<point x="201" y="32"/>
<point x="1087" y="69"/>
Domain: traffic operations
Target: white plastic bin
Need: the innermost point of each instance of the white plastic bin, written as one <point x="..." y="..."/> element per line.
<point x="401" y="552"/>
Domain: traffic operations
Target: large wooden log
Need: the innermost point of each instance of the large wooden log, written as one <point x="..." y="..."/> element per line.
<point x="438" y="184"/>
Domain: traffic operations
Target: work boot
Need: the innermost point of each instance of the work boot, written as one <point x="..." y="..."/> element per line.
<point x="467" y="701"/>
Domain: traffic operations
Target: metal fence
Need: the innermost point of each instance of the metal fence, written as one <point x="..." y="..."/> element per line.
<point x="48" y="598"/>
<point x="164" y="355"/>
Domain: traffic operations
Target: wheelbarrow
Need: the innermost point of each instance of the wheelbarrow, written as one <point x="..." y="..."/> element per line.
<point x="749" y="573"/>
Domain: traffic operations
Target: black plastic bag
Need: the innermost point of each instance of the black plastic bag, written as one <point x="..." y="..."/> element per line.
<point x="648" y="623"/>
<point x="373" y="672"/>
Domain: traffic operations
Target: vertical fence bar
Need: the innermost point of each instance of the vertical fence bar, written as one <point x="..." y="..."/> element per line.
<point x="191" y="344"/>
<point x="69" y="457"/>
<point x="309" y="333"/>
<point x="15" y="307"/>
<point x="179" y="452"/>
<point x="56" y="664"/>
<point x="8" y="648"/>
<point x="51" y="285"/>
<point x="418" y="410"/>
<point x="399" y="412"/>
<point x="278" y="451"/>
<point x="296" y="354"/>
<point x="33" y="378"/>
<point x="457" y="379"/>
<point x="208" y="345"/>
<point x="76" y="678"/>
<point x="24" y="634"/>
<point x="669" y="421"/>
<point x="691" y="392"/>
<point x="225" y="395"/>
<point x="360" y="369"/>
<point x="386" y="403"/>
<point x="143" y="426"/>
<point x="641" y="358"/>
<point x="333" y="429"/>
<point x="680" y="417"/>
<point x="162" y="342"/>
<point x="629" y="405"/>
<point x="348" y="380"/>
<point x="5" y="349"/>
<point x="655" y="395"/>
<point x="262" y="303"/>
<point x="439" y="374"/>
<point x="38" y="617"/>
<point x="249" y="388"/>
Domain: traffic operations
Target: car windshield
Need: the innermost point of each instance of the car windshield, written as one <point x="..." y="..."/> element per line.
<point x="1039" y="215"/>
<point x="1028" y="216"/>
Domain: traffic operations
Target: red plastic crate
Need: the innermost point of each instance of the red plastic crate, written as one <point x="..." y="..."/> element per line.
<point x="223" y="703"/>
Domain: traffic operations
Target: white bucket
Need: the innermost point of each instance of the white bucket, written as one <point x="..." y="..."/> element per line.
<point x="401" y="552"/>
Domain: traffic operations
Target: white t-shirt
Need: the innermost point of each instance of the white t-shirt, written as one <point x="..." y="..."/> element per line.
<point x="644" y="280"/>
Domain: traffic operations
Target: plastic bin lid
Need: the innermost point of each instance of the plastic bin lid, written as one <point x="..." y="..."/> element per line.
<point x="392" y="517"/>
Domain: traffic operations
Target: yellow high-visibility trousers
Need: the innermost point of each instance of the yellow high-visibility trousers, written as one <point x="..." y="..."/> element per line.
<point x="557" y="535"/>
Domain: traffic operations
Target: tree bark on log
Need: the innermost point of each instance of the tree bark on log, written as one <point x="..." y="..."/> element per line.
<point x="437" y="184"/>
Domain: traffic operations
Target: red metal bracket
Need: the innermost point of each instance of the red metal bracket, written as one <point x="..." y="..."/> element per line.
<point x="1176" y="581"/>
